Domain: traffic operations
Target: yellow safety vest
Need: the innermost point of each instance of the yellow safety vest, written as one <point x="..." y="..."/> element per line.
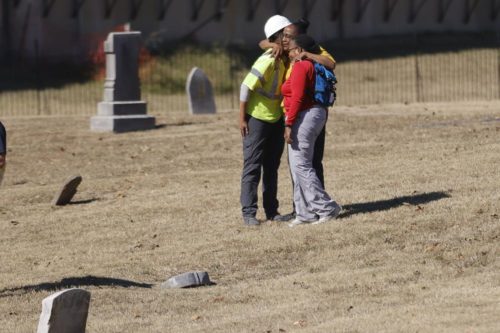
<point x="264" y="81"/>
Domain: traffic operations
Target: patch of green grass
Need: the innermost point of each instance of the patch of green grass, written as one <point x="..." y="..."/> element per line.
<point x="168" y="73"/>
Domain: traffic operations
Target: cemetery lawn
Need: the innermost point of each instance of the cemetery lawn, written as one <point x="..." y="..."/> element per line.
<point x="416" y="249"/>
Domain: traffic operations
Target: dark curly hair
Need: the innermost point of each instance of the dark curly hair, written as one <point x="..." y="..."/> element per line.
<point x="302" y="25"/>
<point x="307" y="43"/>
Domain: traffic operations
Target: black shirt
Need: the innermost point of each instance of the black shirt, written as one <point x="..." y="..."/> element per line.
<point x="3" y="139"/>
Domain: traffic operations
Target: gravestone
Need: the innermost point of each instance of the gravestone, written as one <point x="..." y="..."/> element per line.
<point x="65" y="312"/>
<point x="185" y="280"/>
<point x="122" y="109"/>
<point x="200" y="93"/>
<point x="67" y="191"/>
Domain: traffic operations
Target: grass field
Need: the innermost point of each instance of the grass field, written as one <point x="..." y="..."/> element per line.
<point x="416" y="248"/>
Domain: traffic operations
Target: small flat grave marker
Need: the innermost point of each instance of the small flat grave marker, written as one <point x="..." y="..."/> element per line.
<point x="186" y="280"/>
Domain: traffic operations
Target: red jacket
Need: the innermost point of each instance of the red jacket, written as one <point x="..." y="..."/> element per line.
<point x="298" y="90"/>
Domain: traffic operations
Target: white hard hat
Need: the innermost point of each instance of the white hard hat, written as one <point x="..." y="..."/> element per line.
<point x="274" y="24"/>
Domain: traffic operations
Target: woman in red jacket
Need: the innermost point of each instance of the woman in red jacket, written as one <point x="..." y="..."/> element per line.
<point x="304" y="120"/>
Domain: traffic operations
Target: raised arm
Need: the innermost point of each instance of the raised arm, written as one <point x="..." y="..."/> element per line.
<point x="325" y="60"/>
<point x="277" y="49"/>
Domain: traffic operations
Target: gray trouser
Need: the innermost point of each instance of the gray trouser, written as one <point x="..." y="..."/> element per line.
<point x="262" y="150"/>
<point x="309" y="196"/>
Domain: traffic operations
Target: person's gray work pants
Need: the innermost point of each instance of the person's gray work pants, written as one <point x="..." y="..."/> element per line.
<point x="262" y="150"/>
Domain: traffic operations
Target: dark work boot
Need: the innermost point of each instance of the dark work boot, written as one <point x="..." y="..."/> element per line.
<point x="281" y="218"/>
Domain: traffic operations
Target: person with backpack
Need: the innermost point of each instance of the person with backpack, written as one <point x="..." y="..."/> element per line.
<point x="262" y="128"/>
<point x="3" y="150"/>
<point x="324" y="58"/>
<point x="305" y="117"/>
<point x="327" y="60"/>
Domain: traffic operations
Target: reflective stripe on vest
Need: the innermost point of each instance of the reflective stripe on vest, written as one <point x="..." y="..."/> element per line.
<point x="258" y="74"/>
<point x="268" y="94"/>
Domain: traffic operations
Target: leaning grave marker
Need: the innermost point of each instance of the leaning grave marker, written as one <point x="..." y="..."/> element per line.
<point x="67" y="191"/>
<point x="200" y="93"/>
<point x="122" y="109"/>
<point x="187" y="280"/>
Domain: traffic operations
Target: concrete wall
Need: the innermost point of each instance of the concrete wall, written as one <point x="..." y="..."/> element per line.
<point x="61" y="34"/>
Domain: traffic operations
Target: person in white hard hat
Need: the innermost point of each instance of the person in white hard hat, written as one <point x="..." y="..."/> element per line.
<point x="262" y="128"/>
<point x="298" y="27"/>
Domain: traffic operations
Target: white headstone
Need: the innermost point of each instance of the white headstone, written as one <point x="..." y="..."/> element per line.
<point x="200" y="93"/>
<point x="65" y="312"/>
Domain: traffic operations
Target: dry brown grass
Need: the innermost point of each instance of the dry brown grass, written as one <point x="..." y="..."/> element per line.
<point x="416" y="250"/>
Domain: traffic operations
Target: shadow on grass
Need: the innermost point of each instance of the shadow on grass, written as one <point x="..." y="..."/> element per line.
<point x="381" y="205"/>
<point x="186" y="123"/>
<point x="160" y="126"/>
<point x="83" y="202"/>
<point x="73" y="282"/>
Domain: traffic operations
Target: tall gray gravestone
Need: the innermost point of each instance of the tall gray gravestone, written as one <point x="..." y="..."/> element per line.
<point x="122" y="109"/>
<point x="200" y="93"/>
<point x="65" y="312"/>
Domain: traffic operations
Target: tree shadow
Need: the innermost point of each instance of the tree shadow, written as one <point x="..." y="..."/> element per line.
<point x="386" y="47"/>
<point x="73" y="282"/>
<point x="46" y="73"/>
<point x="381" y="205"/>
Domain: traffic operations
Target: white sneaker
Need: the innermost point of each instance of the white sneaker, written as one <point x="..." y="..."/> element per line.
<point x="297" y="222"/>
<point x="332" y="216"/>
